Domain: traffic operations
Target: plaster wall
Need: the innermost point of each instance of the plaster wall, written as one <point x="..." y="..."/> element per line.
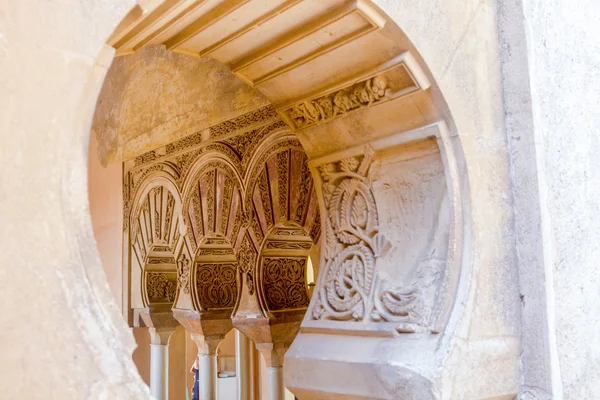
<point x="564" y="65"/>
<point x="63" y="325"/>
<point x="105" y="190"/>
<point x="154" y="96"/>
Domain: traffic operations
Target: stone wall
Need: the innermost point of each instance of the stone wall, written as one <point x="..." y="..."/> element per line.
<point x="564" y="64"/>
<point x="155" y="96"/>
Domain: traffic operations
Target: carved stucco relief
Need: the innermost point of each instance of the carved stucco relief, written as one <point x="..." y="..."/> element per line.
<point x="284" y="282"/>
<point x="183" y="274"/>
<point x="160" y="288"/>
<point x="216" y="285"/>
<point x="247" y="256"/>
<point x="396" y="78"/>
<point x="390" y="249"/>
<point x="353" y="289"/>
<point x="257" y="178"/>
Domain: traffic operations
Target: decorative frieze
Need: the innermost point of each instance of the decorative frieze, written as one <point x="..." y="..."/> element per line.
<point x="243" y="122"/>
<point x="393" y="79"/>
<point x="328" y="107"/>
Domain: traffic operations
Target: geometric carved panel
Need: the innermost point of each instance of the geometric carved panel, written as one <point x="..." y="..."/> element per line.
<point x="156" y="225"/>
<point x="214" y="206"/>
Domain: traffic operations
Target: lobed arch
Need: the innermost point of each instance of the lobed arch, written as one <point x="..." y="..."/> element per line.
<point x="155" y="230"/>
<point x="270" y="197"/>
<point x="212" y="199"/>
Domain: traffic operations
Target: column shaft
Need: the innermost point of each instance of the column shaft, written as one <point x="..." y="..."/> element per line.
<point x="242" y="365"/>
<point x="207" y="376"/>
<point x="159" y="371"/>
<point x="275" y="388"/>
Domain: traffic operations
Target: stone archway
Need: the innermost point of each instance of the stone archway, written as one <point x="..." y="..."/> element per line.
<point x="346" y="133"/>
<point x="240" y="236"/>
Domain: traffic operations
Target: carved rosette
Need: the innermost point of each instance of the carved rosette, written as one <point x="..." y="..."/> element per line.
<point x="352" y="289"/>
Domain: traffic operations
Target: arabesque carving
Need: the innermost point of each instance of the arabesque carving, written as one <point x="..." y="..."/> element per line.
<point x="352" y="288"/>
<point x="287" y="245"/>
<point x="284" y="283"/>
<point x="216" y="285"/>
<point x="183" y="274"/>
<point x="244" y="145"/>
<point x="283" y="171"/>
<point x="246" y="259"/>
<point x="243" y="121"/>
<point x="328" y="107"/>
<point x="160" y="288"/>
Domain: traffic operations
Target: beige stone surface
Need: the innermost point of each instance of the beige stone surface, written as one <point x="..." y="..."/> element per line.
<point x="154" y="97"/>
<point x="105" y="191"/>
<point x="504" y="200"/>
<point x="63" y="319"/>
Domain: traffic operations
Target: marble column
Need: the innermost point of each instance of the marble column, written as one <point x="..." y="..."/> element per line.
<point x="207" y="364"/>
<point x="273" y="354"/>
<point x="242" y="365"/>
<point x="159" y="362"/>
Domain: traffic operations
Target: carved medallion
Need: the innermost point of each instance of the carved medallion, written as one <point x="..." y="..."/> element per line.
<point x="216" y="285"/>
<point x="285" y="283"/>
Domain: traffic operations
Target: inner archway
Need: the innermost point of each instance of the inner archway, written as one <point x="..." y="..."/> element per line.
<point x="342" y="120"/>
<point x="345" y="118"/>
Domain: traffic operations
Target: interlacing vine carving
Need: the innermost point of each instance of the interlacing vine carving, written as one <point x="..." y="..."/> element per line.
<point x="246" y="260"/>
<point x="351" y="289"/>
<point x="183" y="274"/>
<point x="159" y="288"/>
<point x="326" y="108"/>
<point x="216" y="284"/>
<point x="283" y="171"/>
<point x="284" y="283"/>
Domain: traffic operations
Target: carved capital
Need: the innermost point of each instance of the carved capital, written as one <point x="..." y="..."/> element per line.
<point x="161" y="336"/>
<point x="273" y="353"/>
<point x="207" y="345"/>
